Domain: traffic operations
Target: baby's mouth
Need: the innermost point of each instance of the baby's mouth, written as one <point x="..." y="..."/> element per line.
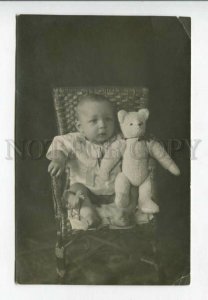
<point x="102" y="135"/>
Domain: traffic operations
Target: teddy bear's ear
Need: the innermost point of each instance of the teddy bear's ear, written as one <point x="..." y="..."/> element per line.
<point x="143" y="113"/>
<point x="121" y="115"/>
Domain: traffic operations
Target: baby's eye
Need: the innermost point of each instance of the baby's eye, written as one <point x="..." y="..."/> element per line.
<point x="93" y="121"/>
<point x="109" y="119"/>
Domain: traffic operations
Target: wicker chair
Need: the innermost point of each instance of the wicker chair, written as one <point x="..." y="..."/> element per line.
<point x="65" y="101"/>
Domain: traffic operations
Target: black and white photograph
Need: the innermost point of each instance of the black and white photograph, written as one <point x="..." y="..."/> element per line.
<point x="102" y="150"/>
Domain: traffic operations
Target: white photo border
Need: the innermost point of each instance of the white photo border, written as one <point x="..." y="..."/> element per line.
<point x="198" y="11"/>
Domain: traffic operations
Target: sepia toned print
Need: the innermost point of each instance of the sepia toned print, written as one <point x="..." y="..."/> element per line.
<point x="99" y="102"/>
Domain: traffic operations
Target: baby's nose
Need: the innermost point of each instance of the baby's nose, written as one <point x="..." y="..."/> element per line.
<point x="101" y="123"/>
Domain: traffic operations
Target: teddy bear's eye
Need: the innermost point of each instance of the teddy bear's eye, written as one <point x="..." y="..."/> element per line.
<point x="131" y="124"/>
<point x="140" y="124"/>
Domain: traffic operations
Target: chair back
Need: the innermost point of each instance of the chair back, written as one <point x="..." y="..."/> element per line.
<point x="66" y="99"/>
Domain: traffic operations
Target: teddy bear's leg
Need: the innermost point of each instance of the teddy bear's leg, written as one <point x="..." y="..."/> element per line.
<point x="122" y="189"/>
<point x="146" y="205"/>
<point x="142" y="218"/>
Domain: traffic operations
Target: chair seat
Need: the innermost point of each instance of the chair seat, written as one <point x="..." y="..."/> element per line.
<point x="104" y="256"/>
<point x="107" y="214"/>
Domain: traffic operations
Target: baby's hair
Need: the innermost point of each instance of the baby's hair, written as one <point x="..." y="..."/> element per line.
<point x="92" y="98"/>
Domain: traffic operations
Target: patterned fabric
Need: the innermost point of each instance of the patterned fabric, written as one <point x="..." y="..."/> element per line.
<point x="65" y="101"/>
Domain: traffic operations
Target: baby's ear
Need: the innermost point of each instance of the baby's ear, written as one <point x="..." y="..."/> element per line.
<point x="143" y="114"/>
<point x="121" y="115"/>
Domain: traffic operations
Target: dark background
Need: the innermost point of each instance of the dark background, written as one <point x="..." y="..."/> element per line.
<point x="56" y="51"/>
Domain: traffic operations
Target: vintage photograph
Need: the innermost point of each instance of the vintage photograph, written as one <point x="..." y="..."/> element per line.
<point x="102" y="140"/>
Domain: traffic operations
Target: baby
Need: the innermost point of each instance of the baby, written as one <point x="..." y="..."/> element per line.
<point x="81" y="153"/>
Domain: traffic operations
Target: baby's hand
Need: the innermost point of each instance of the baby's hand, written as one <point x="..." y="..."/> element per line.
<point x="56" y="167"/>
<point x="107" y="184"/>
<point x="104" y="175"/>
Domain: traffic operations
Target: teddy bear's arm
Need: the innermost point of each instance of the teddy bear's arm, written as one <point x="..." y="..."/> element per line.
<point x="111" y="158"/>
<point x="159" y="153"/>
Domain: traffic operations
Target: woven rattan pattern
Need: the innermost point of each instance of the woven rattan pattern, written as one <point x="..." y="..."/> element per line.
<point x="65" y="101"/>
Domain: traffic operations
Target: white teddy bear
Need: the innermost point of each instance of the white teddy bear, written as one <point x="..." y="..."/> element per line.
<point x="136" y="152"/>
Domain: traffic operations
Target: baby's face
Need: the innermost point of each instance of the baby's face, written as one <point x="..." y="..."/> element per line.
<point x="96" y="121"/>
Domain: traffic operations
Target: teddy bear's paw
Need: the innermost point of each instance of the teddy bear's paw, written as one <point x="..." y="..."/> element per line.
<point x="149" y="207"/>
<point x="121" y="200"/>
<point x="174" y="170"/>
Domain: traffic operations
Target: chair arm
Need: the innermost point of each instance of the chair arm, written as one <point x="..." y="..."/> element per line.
<point x="59" y="184"/>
